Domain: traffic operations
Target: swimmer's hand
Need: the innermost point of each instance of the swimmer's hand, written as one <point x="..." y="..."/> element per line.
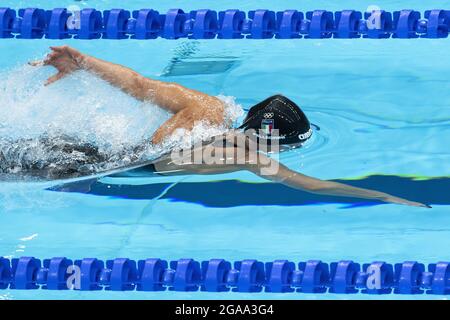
<point x="397" y="200"/>
<point x="64" y="58"/>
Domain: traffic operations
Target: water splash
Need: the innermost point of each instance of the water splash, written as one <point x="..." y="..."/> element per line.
<point x="77" y="126"/>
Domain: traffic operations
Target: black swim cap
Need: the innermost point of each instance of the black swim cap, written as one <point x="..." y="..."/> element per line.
<point x="279" y="112"/>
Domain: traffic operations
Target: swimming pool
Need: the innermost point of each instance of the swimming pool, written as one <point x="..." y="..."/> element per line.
<point x="384" y="118"/>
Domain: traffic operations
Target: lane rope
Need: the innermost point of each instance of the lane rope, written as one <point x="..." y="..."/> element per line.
<point x="219" y="275"/>
<point x="89" y="23"/>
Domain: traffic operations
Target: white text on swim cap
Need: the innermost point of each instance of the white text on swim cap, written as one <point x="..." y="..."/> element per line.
<point x="306" y="135"/>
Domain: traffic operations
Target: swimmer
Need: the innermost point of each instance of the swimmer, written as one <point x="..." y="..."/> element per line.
<point x="190" y="106"/>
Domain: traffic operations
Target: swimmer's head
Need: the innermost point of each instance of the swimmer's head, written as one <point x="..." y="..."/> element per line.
<point x="282" y="115"/>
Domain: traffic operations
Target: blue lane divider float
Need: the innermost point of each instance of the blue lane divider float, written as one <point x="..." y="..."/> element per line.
<point x="219" y="275"/>
<point x="59" y="23"/>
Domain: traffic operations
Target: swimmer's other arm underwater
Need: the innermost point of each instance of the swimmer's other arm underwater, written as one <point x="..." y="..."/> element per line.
<point x="191" y="106"/>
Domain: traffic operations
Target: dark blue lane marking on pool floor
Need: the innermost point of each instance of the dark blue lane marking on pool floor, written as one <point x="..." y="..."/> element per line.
<point x="232" y="193"/>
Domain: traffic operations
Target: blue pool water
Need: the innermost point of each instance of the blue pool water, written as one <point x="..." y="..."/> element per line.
<point x="383" y="108"/>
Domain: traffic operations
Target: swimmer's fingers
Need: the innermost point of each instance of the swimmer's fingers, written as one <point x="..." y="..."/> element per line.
<point x="422" y="205"/>
<point x="59" y="48"/>
<point x="54" y="78"/>
<point x="51" y="57"/>
<point x="36" y="63"/>
<point x="65" y="50"/>
<point x="397" y="200"/>
<point x="48" y="60"/>
<point x="415" y="204"/>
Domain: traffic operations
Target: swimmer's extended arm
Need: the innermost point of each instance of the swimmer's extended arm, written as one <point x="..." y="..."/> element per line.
<point x="170" y="96"/>
<point x="189" y="106"/>
<point x="299" y="181"/>
<point x="271" y="169"/>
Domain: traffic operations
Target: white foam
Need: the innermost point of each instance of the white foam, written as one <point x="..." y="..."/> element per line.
<point x="88" y="109"/>
<point x="233" y="110"/>
<point x="80" y="105"/>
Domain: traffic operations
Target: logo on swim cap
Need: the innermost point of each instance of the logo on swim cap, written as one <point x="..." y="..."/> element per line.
<point x="267" y="126"/>
<point x="268" y="115"/>
<point x="306" y="135"/>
